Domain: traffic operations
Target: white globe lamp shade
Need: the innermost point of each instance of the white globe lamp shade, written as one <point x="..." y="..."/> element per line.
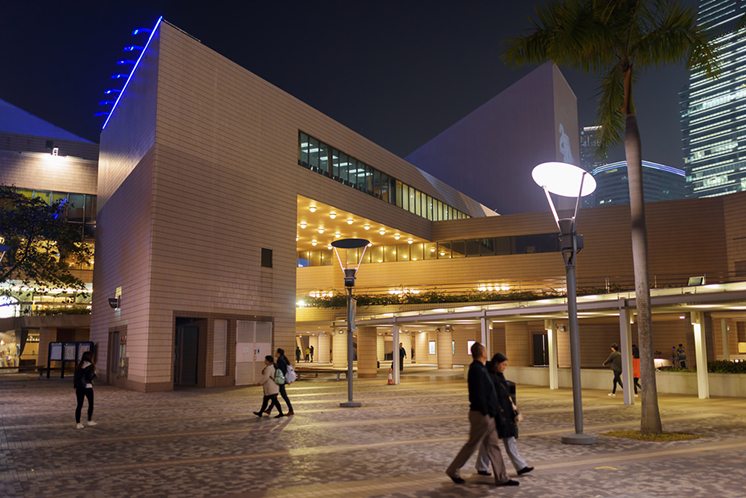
<point x="563" y="179"/>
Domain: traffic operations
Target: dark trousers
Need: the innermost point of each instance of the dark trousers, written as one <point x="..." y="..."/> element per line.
<point x="270" y="399"/>
<point x="80" y="394"/>
<point x="637" y="384"/>
<point x="284" y="395"/>
<point x="617" y="380"/>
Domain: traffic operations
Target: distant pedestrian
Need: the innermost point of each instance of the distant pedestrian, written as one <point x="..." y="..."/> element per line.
<point x="308" y="355"/>
<point x="311" y="353"/>
<point x="506" y="421"/>
<point x="297" y="354"/>
<point x="636" y="367"/>
<point x="271" y="389"/>
<point x="85" y="372"/>
<point x="615" y="361"/>
<point x="402" y="355"/>
<point x="483" y="408"/>
<point x="681" y="356"/>
<point x="282" y="365"/>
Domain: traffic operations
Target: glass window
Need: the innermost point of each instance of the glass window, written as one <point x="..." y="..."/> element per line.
<point x="377" y="183"/>
<point x="444" y="250"/>
<point x="335" y="164"/>
<point x="503" y="246"/>
<point x="405" y="196"/>
<point x="487" y="247"/>
<point x="90" y="208"/>
<point x="376" y="255"/>
<point x="417" y="202"/>
<point x="303" y="147"/>
<point x="458" y="248"/>
<point x="385" y="182"/>
<point x="43" y="195"/>
<point x="76" y="208"/>
<point x="389" y="254"/>
<point x="402" y="252"/>
<point x="416" y="252"/>
<point x="313" y="154"/>
<point x="399" y="200"/>
<point x="431" y="250"/>
<point x="411" y="200"/>
<point x="473" y="247"/>
<point x="368" y="179"/>
<point x="323" y="158"/>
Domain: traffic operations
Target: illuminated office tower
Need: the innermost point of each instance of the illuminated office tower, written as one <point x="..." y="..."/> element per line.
<point x="713" y="111"/>
<point x="590" y="157"/>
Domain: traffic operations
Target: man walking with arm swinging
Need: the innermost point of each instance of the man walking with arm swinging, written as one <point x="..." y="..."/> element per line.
<point x="483" y="408"/>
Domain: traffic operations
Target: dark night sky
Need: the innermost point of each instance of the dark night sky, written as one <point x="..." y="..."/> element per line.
<point x="396" y="71"/>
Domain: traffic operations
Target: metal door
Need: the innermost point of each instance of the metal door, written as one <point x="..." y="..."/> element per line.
<point x="253" y="343"/>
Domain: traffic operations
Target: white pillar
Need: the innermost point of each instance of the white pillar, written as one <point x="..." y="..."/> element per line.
<point x="445" y="348"/>
<point x="406" y="340"/>
<point x="700" y="353"/>
<point x="395" y="353"/>
<point x="724" y="335"/>
<point x="551" y="328"/>
<point x="380" y="347"/>
<point x="339" y="349"/>
<point x="420" y="347"/>
<point x="625" y="347"/>
<point x="322" y="352"/>
<point x="484" y="329"/>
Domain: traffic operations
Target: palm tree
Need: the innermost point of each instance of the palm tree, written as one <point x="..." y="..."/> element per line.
<point x="617" y="38"/>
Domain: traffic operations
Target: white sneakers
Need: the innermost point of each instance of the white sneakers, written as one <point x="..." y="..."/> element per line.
<point x="80" y="426"/>
<point x="612" y="395"/>
<point x="91" y="423"/>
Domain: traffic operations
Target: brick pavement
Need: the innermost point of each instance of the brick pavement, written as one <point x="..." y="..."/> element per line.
<point x="206" y="442"/>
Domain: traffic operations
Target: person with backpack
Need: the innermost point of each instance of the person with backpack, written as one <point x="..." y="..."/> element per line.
<point x="270" y="386"/>
<point x="85" y="372"/>
<point x="284" y="366"/>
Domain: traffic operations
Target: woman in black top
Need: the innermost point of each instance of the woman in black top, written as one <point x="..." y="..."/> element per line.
<point x="506" y="420"/>
<point x="85" y="372"/>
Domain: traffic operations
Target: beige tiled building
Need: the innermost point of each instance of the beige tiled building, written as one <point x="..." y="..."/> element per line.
<point x="218" y="197"/>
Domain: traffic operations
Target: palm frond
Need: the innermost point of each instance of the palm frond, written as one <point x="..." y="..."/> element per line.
<point x="672" y="35"/>
<point x="611" y="100"/>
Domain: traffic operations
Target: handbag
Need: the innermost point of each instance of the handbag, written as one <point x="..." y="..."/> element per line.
<point x="279" y="377"/>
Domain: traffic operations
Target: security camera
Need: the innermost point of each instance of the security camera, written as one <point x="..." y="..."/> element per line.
<point x="114" y="302"/>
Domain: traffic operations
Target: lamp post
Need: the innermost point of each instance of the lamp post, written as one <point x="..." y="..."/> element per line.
<point x="566" y="180"/>
<point x="348" y="247"/>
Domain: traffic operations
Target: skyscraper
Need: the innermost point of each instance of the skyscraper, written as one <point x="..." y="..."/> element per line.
<point x="713" y="111"/>
<point x="590" y="137"/>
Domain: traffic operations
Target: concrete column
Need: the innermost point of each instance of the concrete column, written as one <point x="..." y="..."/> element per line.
<point x="551" y="327"/>
<point x="406" y="340"/>
<point x="380" y="348"/>
<point x="321" y="354"/>
<point x="395" y="353"/>
<point x="314" y="341"/>
<point x="484" y="329"/>
<point x="444" y="348"/>
<point x="339" y="348"/>
<point x="421" y="347"/>
<point x="366" y="352"/>
<point x="625" y="347"/>
<point x="724" y="335"/>
<point x="700" y="353"/>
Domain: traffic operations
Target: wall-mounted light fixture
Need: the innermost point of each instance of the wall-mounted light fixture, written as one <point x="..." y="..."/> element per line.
<point x="115" y="302"/>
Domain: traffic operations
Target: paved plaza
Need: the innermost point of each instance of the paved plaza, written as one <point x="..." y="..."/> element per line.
<point x="207" y="442"/>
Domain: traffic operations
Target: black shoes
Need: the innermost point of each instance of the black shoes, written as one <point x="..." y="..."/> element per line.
<point x="457" y="479"/>
<point x="258" y="414"/>
<point x="525" y="470"/>
<point x="280" y="415"/>
<point x="509" y="482"/>
<point x="483" y="473"/>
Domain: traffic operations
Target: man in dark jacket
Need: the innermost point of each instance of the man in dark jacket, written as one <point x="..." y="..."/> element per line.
<point x="282" y="364"/>
<point x="507" y="426"/>
<point x="483" y="409"/>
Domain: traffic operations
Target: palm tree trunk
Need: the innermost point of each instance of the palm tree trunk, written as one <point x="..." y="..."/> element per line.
<point x="650" y="421"/>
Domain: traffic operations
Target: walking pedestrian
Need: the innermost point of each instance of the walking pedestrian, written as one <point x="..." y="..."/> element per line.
<point x="311" y="348"/>
<point x="271" y="389"/>
<point x="636" y="367"/>
<point x="308" y="355"/>
<point x="402" y="355"/>
<point x="507" y="424"/>
<point x="483" y="408"/>
<point x="297" y="354"/>
<point x="85" y="372"/>
<point x="615" y="360"/>
<point x="282" y="365"/>
<point x="681" y="356"/>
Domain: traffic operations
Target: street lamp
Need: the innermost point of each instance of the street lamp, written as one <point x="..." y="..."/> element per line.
<point x="350" y="249"/>
<point x="566" y="180"/>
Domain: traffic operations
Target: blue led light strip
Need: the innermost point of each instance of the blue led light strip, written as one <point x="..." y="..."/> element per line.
<point x="134" y="68"/>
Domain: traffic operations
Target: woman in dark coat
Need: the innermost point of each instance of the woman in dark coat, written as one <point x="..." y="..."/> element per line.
<point x="85" y="372"/>
<point x="506" y="421"/>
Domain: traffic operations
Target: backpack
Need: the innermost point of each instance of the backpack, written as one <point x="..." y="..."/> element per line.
<point x="291" y="376"/>
<point x="279" y="377"/>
